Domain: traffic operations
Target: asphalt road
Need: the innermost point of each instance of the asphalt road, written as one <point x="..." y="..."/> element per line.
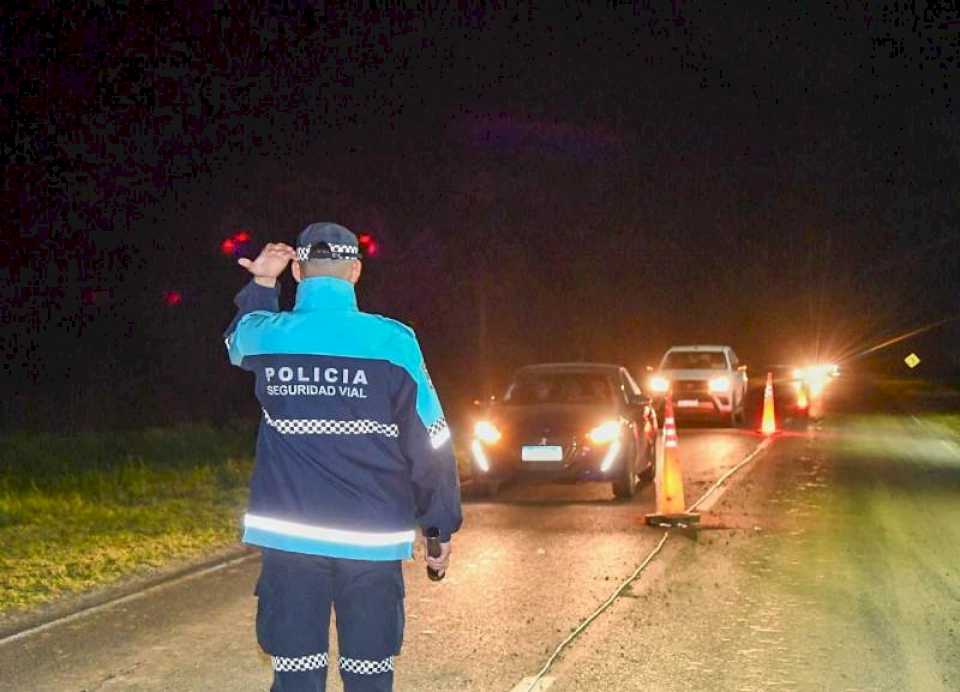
<point x="830" y="563"/>
<point x="527" y="568"/>
<point x="837" y="568"/>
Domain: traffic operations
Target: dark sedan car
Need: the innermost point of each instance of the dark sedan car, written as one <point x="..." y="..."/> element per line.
<point x="567" y="422"/>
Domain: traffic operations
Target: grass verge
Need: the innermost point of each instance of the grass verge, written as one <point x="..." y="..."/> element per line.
<point x="84" y="510"/>
<point x="949" y="422"/>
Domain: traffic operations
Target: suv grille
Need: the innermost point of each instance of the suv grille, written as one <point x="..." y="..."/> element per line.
<point x="690" y="387"/>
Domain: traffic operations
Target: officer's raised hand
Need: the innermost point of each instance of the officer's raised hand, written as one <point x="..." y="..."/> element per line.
<point x="269" y="264"/>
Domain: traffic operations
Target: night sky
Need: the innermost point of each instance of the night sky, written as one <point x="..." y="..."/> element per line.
<point x="542" y="184"/>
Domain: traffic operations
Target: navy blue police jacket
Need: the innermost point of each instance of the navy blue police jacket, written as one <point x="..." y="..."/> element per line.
<point x="353" y="450"/>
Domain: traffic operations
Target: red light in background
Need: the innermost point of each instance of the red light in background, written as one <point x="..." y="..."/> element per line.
<point x="234" y="245"/>
<point x="172" y="298"/>
<point x="367" y="244"/>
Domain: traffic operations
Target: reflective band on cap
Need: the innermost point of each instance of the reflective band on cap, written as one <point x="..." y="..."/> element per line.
<point x="349" y="251"/>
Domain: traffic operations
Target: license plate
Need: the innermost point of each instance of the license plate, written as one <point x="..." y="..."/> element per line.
<point x="688" y="403"/>
<point x="541" y="453"/>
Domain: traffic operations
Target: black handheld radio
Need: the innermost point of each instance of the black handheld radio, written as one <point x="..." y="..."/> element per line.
<point x="433" y="550"/>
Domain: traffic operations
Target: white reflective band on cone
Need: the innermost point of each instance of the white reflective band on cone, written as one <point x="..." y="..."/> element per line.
<point x="289" y="528"/>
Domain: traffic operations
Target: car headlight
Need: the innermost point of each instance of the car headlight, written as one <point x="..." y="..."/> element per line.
<point x="486" y="432"/>
<point x="605" y="432"/>
<point x="659" y="384"/>
<point x="719" y="384"/>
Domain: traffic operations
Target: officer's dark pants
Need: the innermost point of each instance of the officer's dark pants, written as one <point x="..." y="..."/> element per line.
<point x="296" y="593"/>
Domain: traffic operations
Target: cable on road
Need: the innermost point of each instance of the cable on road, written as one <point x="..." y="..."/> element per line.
<point x="599" y="611"/>
<point x="642" y="566"/>
<point x="723" y="479"/>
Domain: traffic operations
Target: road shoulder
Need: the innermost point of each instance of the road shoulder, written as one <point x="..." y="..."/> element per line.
<point x="18" y="623"/>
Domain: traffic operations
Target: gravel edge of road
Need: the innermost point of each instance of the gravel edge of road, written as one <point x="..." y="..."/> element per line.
<point x="15" y="625"/>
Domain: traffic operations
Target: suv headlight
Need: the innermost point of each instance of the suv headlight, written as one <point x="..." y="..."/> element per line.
<point x="659" y="384"/>
<point x="719" y="385"/>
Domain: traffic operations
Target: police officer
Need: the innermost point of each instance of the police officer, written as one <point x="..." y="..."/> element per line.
<point x="353" y="454"/>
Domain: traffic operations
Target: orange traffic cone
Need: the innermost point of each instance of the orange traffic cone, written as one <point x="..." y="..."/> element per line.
<point x="671" y="508"/>
<point x="769" y="424"/>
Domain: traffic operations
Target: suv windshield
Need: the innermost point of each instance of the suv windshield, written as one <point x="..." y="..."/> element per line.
<point x="695" y="360"/>
<point x="559" y="388"/>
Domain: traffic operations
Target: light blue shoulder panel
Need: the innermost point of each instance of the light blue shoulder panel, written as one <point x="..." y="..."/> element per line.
<point x="251" y="323"/>
<point x="350" y="334"/>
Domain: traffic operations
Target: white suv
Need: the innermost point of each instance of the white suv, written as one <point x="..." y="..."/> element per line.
<point x="703" y="380"/>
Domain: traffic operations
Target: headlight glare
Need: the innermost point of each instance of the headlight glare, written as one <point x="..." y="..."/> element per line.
<point x="659" y="384"/>
<point x="719" y="384"/>
<point x="605" y="432"/>
<point x="486" y="432"/>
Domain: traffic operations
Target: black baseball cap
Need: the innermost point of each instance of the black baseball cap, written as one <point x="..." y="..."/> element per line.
<point x="327" y="241"/>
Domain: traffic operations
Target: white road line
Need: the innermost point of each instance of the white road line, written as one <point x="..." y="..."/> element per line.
<point x="124" y="599"/>
<point x="541" y="684"/>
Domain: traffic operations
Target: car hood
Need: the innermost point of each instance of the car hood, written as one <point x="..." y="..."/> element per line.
<point x="550" y="420"/>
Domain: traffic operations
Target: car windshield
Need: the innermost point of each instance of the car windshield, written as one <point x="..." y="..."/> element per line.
<point x="695" y="360"/>
<point x="559" y="388"/>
